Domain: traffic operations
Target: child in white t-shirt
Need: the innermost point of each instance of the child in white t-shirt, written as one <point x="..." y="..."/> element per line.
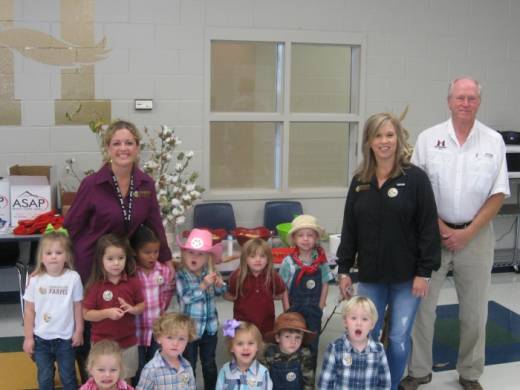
<point x="53" y="323"/>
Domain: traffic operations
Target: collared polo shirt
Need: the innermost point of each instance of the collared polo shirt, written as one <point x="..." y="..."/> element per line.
<point x="104" y="295"/>
<point x="255" y="302"/>
<point x="464" y="176"/>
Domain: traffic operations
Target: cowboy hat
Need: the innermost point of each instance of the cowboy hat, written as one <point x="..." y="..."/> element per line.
<point x="305" y="222"/>
<point x="201" y="240"/>
<point x="290" y="321"/>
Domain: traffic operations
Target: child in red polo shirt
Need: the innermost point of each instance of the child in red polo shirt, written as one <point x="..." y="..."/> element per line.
<point x="255" y="285"/>
<point x="114" y="297"/>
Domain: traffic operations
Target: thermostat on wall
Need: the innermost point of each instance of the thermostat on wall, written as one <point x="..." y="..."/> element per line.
<point x="143" y="104"/>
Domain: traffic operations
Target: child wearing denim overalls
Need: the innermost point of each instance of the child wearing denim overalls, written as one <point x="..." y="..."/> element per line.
<point x="306" y="275"/>
<point x="289" y="360"/>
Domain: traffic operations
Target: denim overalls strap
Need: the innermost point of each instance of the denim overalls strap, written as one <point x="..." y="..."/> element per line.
<point x="286" y="375"/>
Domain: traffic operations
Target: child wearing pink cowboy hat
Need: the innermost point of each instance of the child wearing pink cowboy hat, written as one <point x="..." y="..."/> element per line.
<point x="197" y="286"/>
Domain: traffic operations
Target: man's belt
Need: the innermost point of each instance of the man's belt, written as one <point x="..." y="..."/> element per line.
<point x="458" y="225"/>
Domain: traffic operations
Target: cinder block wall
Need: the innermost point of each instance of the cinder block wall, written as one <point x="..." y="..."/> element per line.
<point x="414" y="47"/>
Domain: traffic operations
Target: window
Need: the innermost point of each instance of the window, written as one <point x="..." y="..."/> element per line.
<point x="283" y="113"/>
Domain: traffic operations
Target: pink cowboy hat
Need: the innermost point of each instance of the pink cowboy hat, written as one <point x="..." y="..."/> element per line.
<point x="201" y="240"/>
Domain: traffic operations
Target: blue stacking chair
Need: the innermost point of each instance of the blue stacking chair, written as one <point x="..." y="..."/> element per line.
<point x="214" y="216"/>
<point x="281" y="211"/>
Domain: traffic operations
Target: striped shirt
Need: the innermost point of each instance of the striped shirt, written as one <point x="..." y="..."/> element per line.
<point x="196" y="303"/>
<point x="230" y="377"/>
<point x="159" y="374"/>
<point x="346" y="368"/>
<point x="158" y="288"/>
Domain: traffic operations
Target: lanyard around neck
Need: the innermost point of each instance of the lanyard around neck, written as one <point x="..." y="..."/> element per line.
<point x="127" y="210"/>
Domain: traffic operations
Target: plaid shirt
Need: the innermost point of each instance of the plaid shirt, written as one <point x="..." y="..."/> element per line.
<point x="198" y="304"/>
<point x="158" y="287"/>
<point x="158" y="374"/>
<point x="272" y="354"/>
<point x="345" y="368"/>
<point x="230" y="377"/>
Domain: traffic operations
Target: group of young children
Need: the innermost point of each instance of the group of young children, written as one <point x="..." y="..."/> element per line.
<point x="135" y="341"/>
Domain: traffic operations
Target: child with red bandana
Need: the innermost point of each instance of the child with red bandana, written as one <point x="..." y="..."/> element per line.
<point x="306" y="275"/>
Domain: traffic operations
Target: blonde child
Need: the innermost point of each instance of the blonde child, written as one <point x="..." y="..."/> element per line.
<point x="306" y="275"/>
<point x="355" y="360"/>
<point x="168" y="369"/>
<point x="114" y="297"/>
<point x="53" y="323"/>
<point x="105" y="366"/>
<point x="254" y="285"/>
<point x="197" y="286"/>
<point x="244" y="371"/>
<point x="289" y="361"/>
<point x="158" y="284"/>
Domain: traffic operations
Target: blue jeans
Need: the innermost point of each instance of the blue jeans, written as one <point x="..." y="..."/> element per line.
<point x="206" y="347"/>
<point x="403" y="306"/>
<point x="46" y="352"/>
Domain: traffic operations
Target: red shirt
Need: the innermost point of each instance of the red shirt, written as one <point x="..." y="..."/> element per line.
<point x="255" y="303"/>
<point x="103" y="295"/>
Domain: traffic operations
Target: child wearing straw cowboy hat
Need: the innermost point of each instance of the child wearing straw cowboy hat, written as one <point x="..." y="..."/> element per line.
<point x="306" y="275"/>
<point x="289" y="360"/>
<point x="197" y="285"/>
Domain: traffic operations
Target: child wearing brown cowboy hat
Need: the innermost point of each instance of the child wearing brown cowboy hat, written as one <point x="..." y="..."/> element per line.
<point x="290" y="361"/>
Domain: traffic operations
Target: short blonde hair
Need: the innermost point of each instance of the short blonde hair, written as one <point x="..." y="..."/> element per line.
<point x="105" y="347"/>
<point x="171" y="323"/>
<point x="248" y="327"/>
<point x="361" y="302"/>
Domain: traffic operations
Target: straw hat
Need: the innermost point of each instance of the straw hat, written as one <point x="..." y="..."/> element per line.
<point x="201" y="240"/>
<point x="305" y="222"/>
<point x="290" y="321"/>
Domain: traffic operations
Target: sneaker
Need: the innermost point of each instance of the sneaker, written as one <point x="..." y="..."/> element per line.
<point x="469" y="385"/>
<point x="411" y="383"/>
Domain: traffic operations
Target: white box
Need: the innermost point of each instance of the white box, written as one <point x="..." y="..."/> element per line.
<point x="5" y="206"/>
<point x="30" y="197"/>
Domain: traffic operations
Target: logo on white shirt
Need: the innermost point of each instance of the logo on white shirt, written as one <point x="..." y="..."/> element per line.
<point x="441" y="144"/>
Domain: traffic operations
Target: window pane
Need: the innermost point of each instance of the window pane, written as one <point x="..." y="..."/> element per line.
<point x="242" y="155"/>
<point x="320" y="78"/>
<point x="243" y="76"/>
<point x="318" y="154"/>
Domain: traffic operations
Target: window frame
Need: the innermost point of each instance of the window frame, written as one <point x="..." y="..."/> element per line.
<point x="285" y="117"/>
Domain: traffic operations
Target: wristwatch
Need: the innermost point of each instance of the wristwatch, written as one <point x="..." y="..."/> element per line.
<point x="428" y="280"/>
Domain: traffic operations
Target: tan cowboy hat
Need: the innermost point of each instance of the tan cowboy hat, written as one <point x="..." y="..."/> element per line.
<point x="305" y="222"/>
<point x="290" y="321"/>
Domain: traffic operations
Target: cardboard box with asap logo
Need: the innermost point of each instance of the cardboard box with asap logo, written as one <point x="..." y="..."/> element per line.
<point x="32" y="192"/>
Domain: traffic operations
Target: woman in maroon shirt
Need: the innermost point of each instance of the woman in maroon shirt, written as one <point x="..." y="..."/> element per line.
<point x="116" y="199"/>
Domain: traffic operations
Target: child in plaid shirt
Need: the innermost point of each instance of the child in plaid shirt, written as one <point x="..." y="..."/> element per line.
<point x="197" y="286"/>
<point x="158" y="287"/>
<point x="244" y="372"/>
<point x="168" y="369"/>
<point x="355" y="361"/>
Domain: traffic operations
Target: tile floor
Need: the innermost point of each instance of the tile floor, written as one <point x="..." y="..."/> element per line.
<point x="505" y="290"/>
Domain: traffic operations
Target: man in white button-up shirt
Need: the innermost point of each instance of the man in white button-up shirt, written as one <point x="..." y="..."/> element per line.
<point x="465" y="161"/>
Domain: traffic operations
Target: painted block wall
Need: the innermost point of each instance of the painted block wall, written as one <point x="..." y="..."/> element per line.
<point x="414" y="48"/>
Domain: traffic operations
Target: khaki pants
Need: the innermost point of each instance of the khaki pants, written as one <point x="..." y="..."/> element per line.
<point x="472" y="276"/>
